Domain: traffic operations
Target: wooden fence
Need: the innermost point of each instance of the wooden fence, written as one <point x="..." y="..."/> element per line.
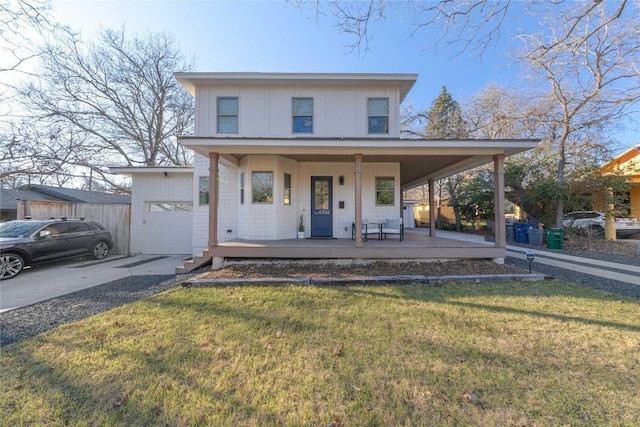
<point x="114" y="217"/>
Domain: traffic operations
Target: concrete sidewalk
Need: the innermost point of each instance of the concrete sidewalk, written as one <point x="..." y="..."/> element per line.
<point x="52" y="280"/>
<point x="610" y="270"/>
<point x="604" y="269"/>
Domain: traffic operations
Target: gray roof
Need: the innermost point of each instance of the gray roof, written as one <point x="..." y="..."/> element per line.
<point x="9" y="197"/>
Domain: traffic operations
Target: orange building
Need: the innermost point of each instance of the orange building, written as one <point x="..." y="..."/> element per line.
<point x="628" y="164"/>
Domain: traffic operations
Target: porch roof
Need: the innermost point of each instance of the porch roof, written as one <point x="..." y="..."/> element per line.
<point x="420" y="159"/>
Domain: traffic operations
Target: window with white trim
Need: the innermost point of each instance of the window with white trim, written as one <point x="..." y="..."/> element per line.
<point x="302" y="110"/>
<point x="262" y="187"/>
<point x="227" y="111"/>
<point x="385" y="190"/>
<point x="203" y="190"/>
<point x="286" y="197"/>
<point x="242" y="188"/>
<point x="378" y="115"/>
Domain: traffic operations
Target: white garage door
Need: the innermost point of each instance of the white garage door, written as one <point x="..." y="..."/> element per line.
<point x="168" y="228"/>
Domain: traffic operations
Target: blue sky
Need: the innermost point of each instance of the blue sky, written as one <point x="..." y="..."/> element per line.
<point x="274" y="36"/>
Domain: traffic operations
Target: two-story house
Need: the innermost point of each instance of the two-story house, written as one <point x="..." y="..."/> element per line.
<point x="275" y="148"/>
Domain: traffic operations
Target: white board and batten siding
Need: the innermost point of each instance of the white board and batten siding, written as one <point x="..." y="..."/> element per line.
<point x="266" y="111"/>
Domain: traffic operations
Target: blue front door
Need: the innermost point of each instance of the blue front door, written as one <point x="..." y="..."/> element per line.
<point x="321" y="206"/>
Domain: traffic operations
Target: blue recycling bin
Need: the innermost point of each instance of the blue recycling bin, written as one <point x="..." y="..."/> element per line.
<point x="520" y="230"/>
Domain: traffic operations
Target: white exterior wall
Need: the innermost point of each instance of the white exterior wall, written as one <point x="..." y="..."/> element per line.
<point x="266" y="112"/>
<point x="276" y="220"/>
<point x="154" y="187"/>
<point x="268" y="221"/>
<point x="228" y="202"/>
<point x="343" y="218"/>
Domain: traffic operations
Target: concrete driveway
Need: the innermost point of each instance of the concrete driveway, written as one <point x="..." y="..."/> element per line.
<point x="52" y="280"/>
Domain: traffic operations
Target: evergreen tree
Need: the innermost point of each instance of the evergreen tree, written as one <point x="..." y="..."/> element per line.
<point x="445" y="122"/>
<point x="445" y="118"/>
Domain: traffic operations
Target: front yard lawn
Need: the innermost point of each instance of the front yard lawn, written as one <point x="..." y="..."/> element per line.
<point x="514" y="354"/>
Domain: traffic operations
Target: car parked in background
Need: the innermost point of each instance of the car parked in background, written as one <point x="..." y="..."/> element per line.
<point x="30" y="242"/>
<point x="593" y="222"/>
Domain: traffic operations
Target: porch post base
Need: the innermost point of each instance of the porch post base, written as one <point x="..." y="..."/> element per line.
<point x="217" y="262"/>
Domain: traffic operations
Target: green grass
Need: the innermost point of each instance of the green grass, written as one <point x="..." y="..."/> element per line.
<point x="526" y="354"/>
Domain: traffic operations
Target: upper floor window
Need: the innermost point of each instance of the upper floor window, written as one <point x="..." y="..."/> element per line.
<point x="385" y="190"/>
<point x="378" y="115"/>
<point x="228" y="114"/>
<point x="302" y="115"/>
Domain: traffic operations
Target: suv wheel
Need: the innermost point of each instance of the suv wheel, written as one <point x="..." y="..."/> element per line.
<point x="100" y="250"/>
<point x="10" y="265"/>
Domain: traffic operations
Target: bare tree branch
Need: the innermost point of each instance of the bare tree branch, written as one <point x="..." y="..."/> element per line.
<point x="112" y="102"/>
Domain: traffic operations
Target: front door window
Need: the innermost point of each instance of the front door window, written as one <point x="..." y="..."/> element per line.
<point x="321" y="206"/>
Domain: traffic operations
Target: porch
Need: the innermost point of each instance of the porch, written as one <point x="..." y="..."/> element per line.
<point x="417" y="245"/>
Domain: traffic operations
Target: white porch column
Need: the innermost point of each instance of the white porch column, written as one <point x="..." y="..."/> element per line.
<point x="432" y="204"/>
<point x="498" y="202"/>
<point x="213" y="199"/>
<point x="358" y="200"/>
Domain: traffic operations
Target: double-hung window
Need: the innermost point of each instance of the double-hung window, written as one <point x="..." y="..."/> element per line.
<point x="385" y="191"/>
<point x="227" y="114"/>
<point x="262" y="187"/>
<point x="302" y="109"/>
<point x="378" y="115"/>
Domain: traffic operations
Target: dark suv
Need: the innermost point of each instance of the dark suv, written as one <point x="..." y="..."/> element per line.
<point x="30" y="242"/>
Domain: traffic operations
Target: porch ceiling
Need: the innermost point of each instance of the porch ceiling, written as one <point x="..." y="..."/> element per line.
<point x="420" y="160"/>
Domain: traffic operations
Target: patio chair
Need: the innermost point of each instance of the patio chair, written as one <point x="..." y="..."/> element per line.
<point x="392" y="226"/>
<point x="368" y="228"/>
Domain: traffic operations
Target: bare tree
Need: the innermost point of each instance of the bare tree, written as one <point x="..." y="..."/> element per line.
<point x="22" y="25"/>
<point x="584" y="56"/>
<point x="471" y="24"/>
<point x="115" y="101"/>
<point x="531" y="176"/>
<point x="590" y="66"/>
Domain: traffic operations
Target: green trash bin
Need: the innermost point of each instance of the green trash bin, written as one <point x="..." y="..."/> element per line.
<point x="555" y="237"/>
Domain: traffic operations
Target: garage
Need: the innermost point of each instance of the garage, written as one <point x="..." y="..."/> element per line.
<point x="161" y="209"/>
<point x="167" y="228"/>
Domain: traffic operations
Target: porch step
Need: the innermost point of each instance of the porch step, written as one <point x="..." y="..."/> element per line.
<point x="194" y="263"/>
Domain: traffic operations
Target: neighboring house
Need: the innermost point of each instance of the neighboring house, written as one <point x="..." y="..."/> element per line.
<point x="41" y="201"/>
<point x="422" y="212"/>
<point x="628" y="164"/>
<point x="272" y="147"/>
